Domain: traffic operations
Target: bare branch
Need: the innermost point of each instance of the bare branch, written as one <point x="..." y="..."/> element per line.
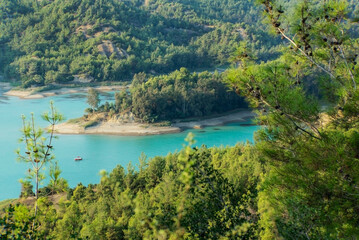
<point x="305" y="54"/>
<point x="347" y="65"/>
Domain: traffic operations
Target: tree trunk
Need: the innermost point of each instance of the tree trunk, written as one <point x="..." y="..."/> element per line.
<point x="37" y="191"/>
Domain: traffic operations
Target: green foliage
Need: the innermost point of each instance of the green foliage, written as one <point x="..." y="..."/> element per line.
<point x="93" y="98"/>
<point x="90" y="124"/>
<point x="54" y="41"/>
<point x="39" y="154"/>
<point x="122" y="100"/>
<point x="5" y="203"/>
<point x="160" y="201"/>
<point x="198" y="193"/>
<point x="181" y="95"/>
<point x="17" y="223"/>
<point x="38" y="149"/>
<point x="26" y="189"/>
<point x="57" y="184"/>
<point x="310" y="191"/>
<point x="300" y="179"/>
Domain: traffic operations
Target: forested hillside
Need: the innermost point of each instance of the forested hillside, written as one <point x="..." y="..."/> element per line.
<point x="45" y="42"/>
<point x="298" y="180"/>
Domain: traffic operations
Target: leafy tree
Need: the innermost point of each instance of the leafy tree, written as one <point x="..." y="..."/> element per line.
<point x="122" y="100"/>
<point x="93" y="98"/>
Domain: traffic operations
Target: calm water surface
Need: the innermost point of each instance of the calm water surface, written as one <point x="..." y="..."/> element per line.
<point x="98" y="151"/>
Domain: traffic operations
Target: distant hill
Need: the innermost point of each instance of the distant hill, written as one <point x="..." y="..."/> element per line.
<point x="45" y="42"/>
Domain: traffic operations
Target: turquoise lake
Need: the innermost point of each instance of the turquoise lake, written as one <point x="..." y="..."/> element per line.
<point x="98" y="151"/>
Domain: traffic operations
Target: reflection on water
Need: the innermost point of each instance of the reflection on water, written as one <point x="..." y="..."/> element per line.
<point x="247" y="124"/>
<point x="75" y="96"/>
<point x="107" y="94"/>
<point x="104" y="96"/>
<point x="4" y="97"/>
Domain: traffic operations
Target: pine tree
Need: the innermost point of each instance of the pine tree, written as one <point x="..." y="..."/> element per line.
<point x="38" y="149"/>
<point x="310" y="139"/>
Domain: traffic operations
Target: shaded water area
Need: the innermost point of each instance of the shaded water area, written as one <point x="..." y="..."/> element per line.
<point x="98" y="151"/>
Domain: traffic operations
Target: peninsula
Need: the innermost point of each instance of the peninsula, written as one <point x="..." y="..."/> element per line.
<point x="117" y="127"/>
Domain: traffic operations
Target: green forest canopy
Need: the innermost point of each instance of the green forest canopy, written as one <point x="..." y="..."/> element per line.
<point x="46" y="42"/>
<point x="174" y="96"/>
<point x="298" y="181"/>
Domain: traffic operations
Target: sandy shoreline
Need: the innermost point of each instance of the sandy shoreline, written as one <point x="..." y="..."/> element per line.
<point x="124" y="129"/>
<point x="33" y="94"/>
<point x="240" y="116"/>
<point x="138" y="129"/>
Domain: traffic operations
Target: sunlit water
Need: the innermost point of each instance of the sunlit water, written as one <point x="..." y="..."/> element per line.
<point x="98" y="151"/>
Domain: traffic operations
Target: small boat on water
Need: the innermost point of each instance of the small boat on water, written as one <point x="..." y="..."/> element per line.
<point x="78" y="158"/>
